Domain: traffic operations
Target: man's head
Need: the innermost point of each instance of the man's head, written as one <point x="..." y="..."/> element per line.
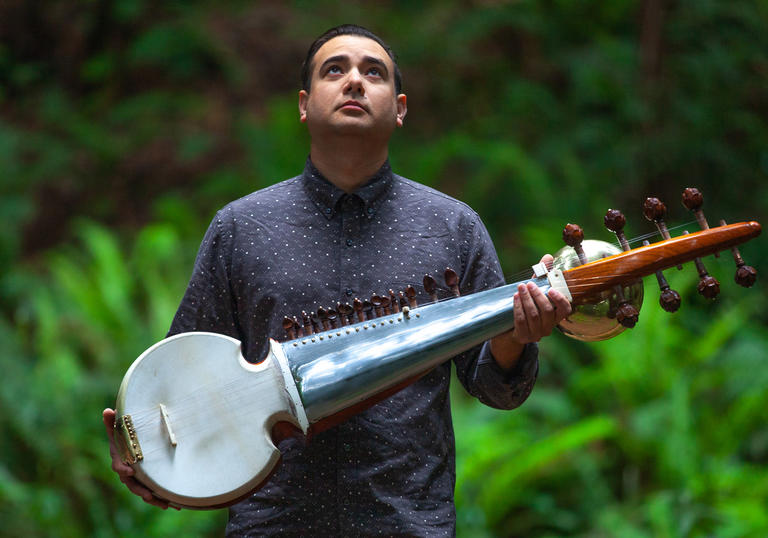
<point x="346" y="29"/>
<point x="353" y="81"/>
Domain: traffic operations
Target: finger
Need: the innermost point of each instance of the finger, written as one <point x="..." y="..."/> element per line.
<point x="108" y="416"/>
<point x="145" y="494"/>
<point x="547" y="260"/>
<point x="545" y="308"/>
<point x="532" y="316"/>
<point x="520" y="331"/>
<point x="137" y="488"/>
<point x="561" y="303"/>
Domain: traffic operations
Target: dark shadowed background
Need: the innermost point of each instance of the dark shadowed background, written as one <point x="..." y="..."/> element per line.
<point x="125" y="124"/>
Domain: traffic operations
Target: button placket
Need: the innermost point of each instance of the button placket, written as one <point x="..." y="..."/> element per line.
<point x="350" y="254"/>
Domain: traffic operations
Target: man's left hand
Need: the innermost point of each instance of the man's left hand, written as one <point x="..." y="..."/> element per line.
<point x="536" y="314"/>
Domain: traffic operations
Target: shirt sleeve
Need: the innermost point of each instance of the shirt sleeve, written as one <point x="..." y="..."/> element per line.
<point x="208" y="303"/>
<point x="477" y="370"/>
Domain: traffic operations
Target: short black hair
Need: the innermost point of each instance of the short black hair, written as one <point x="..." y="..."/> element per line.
<point x="345" y="29"/>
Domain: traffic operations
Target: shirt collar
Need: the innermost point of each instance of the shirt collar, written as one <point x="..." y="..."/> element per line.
<point x="326" y="196"/>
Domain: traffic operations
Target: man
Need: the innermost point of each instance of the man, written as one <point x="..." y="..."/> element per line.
<point x="349" y="227"/>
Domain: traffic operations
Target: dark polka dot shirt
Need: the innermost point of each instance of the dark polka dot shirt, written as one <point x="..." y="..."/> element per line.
<point x="302" y="244"/>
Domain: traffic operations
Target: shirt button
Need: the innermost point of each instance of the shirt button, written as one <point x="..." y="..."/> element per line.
<point x="327" y="210"/>
<point x="349" y="242"/>
<point x="371" y="211"/>
<point x="350" y="292"/>
<point x="347" y="447"/>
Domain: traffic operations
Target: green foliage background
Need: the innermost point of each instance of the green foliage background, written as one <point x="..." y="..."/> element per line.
<point x="125" y="124"/>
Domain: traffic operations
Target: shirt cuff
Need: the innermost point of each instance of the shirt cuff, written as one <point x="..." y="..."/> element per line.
<point x="514" y="386"/>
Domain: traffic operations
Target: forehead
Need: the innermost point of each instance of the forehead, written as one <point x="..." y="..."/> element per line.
<point x="354" y="46"/>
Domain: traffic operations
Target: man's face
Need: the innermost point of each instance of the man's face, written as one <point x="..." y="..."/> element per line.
<point x="352" y="90"/>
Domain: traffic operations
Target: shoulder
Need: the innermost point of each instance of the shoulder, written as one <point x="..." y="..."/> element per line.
<point x="268" y="198"/>
<point x="419" y="197"/>
<point x="259" y="205"/>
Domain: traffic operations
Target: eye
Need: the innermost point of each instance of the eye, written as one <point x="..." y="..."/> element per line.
<point x="374" y="71"/>
<point x="333" y="70"/>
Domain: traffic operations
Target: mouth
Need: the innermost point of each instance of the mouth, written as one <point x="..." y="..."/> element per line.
<point x="353" y="105"/>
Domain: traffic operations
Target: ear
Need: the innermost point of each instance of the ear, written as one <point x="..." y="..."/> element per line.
<point x="303" y="98"/>
<point x="402" y="109"/>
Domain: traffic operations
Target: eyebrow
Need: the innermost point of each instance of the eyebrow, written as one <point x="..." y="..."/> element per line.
<point x="345" y="58"/>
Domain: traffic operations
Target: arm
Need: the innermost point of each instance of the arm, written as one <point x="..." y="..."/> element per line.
<point x="503" y="371"/>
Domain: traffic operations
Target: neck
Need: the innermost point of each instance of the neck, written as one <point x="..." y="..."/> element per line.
<point x="350" y="163"/>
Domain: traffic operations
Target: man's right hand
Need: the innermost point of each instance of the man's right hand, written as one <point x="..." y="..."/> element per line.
<point x="123" y="470"/>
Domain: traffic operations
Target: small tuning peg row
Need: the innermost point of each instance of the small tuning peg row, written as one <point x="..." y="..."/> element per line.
<point x="746" y="275"/>
<point x="573" y="235"/>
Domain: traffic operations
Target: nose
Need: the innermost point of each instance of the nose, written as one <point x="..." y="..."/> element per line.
<point x="354" y="83"/>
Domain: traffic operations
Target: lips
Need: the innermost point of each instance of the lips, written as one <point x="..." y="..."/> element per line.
<point x="353" y="104"/>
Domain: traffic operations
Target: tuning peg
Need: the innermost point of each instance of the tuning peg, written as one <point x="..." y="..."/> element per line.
<point x="333" y="316"/>
<point x="368" y="309"/>
<point x="615" y="220"/>
<point x="345" y="312"/>
<point x="452" y="281"/>
<point x="627" y="315"/>
<point x="385" y="302"/>
<point x="573" y="236"/>
<point x="655" y="210"/>
<point x="297" y="325"/>
<point x="393" y="301"/>
<point x="669" y="298"/>
<point x="308" y="323"/>
<point x="708" y="286"/>
<point x="746" y="275"/>
<point x="358" y="306"/>
<point x="403" y="301"/>
<point x="322" y="313"/>
<point x="430" y="286"/>
<point x="378" y="305"/>
<point x="410" y="293"/>
<point x="289" y="328"/>
<point x="693" y="200"/>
